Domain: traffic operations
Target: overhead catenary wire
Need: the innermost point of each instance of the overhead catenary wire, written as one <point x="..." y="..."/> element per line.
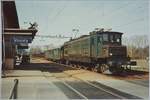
<point x="58" y="13"/>
<point x="54" y="18"/>
<point x="121" y="8"/>
<point x="110" y="13"/>
<point x="52" y="36"/>
<point x="132" y="22"/>
<point x="105" y="15"/>
<point x="103" y="12"/>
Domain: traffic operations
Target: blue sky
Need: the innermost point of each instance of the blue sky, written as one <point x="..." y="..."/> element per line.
<point x="56" y="17"/>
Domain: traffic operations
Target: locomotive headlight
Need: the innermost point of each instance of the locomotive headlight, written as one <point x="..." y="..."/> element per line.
<point x="110" y="54"/>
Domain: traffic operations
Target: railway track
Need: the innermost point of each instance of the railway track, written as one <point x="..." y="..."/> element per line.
<point x="74" y="87"/>
<point x="82" y="89"/>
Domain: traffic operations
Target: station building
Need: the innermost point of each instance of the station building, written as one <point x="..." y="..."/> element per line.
<point x="13" y="37"/>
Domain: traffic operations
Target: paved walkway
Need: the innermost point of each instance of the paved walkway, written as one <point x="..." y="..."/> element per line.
<point x="133" y="89"/>
<point x="121" y="85"/>
<point x="32" y="85"/>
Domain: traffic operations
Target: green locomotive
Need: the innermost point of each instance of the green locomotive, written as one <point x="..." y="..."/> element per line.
<point x="98" y="51"/>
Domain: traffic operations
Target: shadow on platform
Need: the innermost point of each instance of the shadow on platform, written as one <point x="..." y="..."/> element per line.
<point x="45" y="67"/>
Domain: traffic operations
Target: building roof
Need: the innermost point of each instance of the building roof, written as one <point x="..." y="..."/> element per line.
<point x="10" y="24"/>
<point x="20" y="32"/>
<point x="9" y="14"/>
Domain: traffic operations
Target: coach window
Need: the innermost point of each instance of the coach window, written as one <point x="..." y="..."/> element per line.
<point x="99" y="39"/>
<point x="92" y="40"/>
<point x="66" y="52"/>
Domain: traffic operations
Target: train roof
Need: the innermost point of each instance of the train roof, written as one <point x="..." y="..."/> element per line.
<point x="52" y="49"/>
<point x="93" y="33"/>
<point x="108" y="32"/>
<point x="81" y="37"/>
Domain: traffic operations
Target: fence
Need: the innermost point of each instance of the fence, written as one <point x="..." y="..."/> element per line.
<point x="14" y="93"/>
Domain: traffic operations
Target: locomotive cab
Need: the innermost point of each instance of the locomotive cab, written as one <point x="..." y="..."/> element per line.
<point x="109" y="44"/>
<point x="112" y="38"/>
<point x="112" y="45"/>
<point x="110" y="51"/>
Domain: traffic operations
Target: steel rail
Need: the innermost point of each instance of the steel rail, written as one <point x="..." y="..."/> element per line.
<point x="93" y="85"/>
<point x="73" y="89"/>
<point x="70" y="87"/>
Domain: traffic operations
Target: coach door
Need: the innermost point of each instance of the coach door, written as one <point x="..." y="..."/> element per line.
<point x="99" y="45"/>
<point x="93" y="46"/>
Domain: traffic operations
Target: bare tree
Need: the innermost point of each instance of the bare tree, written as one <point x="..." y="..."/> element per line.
<point x="137" y="46"/>
<point x="33" y="26"/>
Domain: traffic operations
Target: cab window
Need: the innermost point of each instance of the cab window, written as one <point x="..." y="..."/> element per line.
<point x="115" y="38"/>
<point x="112" y="38"/>
<point x="105" y="37"/>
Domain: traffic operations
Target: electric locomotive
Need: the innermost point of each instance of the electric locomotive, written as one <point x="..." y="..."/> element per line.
<point x="98" y="51"/>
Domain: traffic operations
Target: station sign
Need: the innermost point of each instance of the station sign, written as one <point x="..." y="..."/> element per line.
<point x="21" y="39"/>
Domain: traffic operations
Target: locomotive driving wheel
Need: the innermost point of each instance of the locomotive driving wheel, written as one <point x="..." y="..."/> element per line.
<point x="79" y="66"/>
<point x="67" y="62"/>
<point x="95" y="68"/>
<point x="85" y="67"/>
<point x="103" y="68"/>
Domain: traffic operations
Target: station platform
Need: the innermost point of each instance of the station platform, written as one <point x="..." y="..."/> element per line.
<point x="32" y="85"/>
